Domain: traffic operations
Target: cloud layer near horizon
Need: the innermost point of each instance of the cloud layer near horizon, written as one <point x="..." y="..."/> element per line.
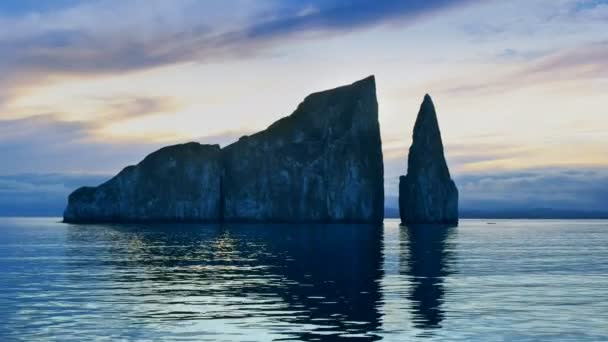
<point x="573" y="190"/>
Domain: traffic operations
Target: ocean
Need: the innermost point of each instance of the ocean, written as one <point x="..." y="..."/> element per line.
<point x="485" y="280"/>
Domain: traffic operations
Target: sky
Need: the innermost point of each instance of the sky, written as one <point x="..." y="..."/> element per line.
<point x="520" y="86"/>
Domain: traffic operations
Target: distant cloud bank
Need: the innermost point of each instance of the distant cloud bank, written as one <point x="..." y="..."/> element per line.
<point x="40" y="194"/>
<point x="560" y="190"/>
<point x="563" y="189"/>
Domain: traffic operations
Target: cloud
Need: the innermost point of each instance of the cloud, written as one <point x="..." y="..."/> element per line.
<point x="582" y="63"/>
<point x="45" y="144"/>
<point x="128" y="107"/>
<point x="21" y="7"/>
<point x="108" y="109"/>
<point x="551" y="42"/>
<point x="344" y="15"/>
<point x="590" y="60"/>
<point x="72" y="51"/>
<point x="582" y="190"/>
<point x="564" y="189"/>
<point x="89" y="38"/>
<point x="40" y="194"/>
<point x="28" y="131"/>
<point x="516" y="55"/>
<point x="564" y="18"/>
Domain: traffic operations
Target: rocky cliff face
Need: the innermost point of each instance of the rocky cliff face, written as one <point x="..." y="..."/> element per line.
<point x="178" y="183"/>
<point x="427" y="194"/>
<point x="323" y="163"/>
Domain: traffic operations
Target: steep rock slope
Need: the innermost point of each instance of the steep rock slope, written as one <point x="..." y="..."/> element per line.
<point x="427" y="194"/>
<point x="323" y="163"/>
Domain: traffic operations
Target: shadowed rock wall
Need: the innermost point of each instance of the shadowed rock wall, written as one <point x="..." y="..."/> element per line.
<point x="323" y="163"/>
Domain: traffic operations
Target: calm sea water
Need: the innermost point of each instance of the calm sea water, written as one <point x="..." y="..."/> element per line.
<point x="513" y="280"/>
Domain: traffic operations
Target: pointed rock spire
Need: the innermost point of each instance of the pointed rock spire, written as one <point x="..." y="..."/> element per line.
<point x="427" y="194"/>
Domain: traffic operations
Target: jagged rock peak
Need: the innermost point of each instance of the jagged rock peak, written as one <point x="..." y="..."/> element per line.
<point x="427" y="194"/>
<point x="322" y="163"/>
<point x="427" y="144"/>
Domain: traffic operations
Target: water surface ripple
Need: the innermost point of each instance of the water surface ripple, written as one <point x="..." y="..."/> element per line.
<point x="515" y="280"/>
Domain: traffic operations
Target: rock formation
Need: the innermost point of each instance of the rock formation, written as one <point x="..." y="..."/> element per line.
<point x="427" y="194"/>
<point x="178" y="183"/>
<point x="323" y="163"/>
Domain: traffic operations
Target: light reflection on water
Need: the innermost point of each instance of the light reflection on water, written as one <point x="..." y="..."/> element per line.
<point x="516" y="280"/>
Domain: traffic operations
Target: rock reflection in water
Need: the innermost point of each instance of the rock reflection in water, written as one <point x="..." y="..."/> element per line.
<point x="426" y="264"/>
<point x="303" y="281"/>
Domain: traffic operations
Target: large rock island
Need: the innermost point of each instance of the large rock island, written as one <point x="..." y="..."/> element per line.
<point x="323" y="163"/>
<point x="427" y="195"/>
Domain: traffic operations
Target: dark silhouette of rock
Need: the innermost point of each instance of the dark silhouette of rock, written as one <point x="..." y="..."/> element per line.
<point x="427" y="194"/>
<point x="179" y="183"/>
<point x="426" y="259"/>
<point x="337" y="284"/>
<point x="323" y="163"/>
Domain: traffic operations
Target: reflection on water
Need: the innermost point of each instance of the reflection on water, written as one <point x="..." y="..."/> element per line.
<point x="302" y="281"/>
<point x="516" y="280"/>
<point x="426" y="263"/>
